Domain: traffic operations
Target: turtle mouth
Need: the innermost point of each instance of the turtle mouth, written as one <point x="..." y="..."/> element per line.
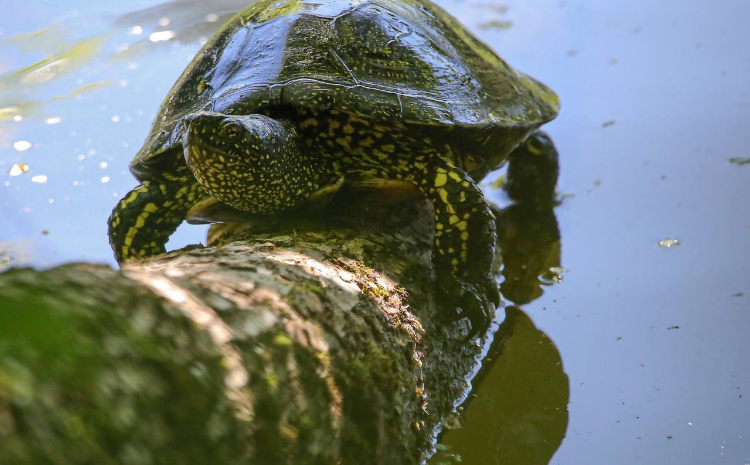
<point x="157" y="163"/>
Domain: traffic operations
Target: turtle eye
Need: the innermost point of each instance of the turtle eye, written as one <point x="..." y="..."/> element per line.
<point x="230" y="130"/>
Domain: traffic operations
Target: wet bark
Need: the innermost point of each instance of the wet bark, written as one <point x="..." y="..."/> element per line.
<point x="317" y="342"/>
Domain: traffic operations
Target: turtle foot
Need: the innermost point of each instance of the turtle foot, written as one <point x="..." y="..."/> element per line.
<point x="476" y="301"/>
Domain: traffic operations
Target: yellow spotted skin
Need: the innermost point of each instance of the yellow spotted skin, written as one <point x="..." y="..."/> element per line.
<point x="141" y="223"/>
<point x="279" y="160"/>
<point x="419" y="100"/>
<point x="464" y="241"/>
<point x="265" y="164"/>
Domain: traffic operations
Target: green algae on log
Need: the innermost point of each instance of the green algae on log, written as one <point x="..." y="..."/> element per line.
<point x="288" y="347"/>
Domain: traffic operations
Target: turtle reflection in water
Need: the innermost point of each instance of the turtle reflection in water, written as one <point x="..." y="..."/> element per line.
<point x="290" y="99"/>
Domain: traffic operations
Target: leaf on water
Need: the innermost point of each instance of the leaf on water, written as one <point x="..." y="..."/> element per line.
<point x="740" y="161"/>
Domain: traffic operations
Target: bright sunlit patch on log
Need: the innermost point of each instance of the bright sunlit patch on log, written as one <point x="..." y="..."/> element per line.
<point x="314" y="267"/>
<point x="205" y="317"/>
<point x="168" y="290"/>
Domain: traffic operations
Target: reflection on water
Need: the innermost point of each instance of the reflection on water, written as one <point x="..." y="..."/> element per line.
<point x="519" y="414"/>
<point x="75" y="97"/>
<point x="137" y="33"/>
<point x="518" y="411"/>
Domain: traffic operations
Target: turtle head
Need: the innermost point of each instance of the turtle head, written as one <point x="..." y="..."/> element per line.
<point x="250" y="162"/>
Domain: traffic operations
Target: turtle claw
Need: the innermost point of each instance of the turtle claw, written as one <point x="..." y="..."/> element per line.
<point x="477" y="303"/>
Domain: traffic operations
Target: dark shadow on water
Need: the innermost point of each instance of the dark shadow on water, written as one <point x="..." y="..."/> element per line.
<point x="517" y="413"/>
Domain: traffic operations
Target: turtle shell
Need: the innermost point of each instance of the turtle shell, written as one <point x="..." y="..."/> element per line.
<point x="387" y="60"/>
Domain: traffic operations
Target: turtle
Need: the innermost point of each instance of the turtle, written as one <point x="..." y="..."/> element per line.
<point x="290" y="99"/>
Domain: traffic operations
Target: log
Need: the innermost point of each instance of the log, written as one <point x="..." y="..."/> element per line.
<point x="313" y="342"/>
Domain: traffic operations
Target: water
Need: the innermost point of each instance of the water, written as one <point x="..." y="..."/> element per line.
<point x="656" y="102"/>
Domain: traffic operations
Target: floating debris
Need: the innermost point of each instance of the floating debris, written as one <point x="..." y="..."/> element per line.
<point x="609" y="123"/>
<point x="18" y="169"/>
<point x="6" y="259"/>
<point x="669" y="243"/>
<point x="738" y="294"/>
<point x="14" y="253"/>
<point x="740" y="161"/>
<point x="496" y="24"/>
<point x="673" y="327"/>
<point x="553" y="276"/>
<point x="21" y="145"/>
<point x="452" y="421"/>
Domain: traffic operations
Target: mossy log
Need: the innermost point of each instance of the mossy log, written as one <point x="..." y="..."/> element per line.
<point x="317" y="342"/>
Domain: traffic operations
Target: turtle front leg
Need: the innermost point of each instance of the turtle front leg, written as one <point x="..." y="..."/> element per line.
<point x="465" y="238"/>
<point x="141" y="223"/>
